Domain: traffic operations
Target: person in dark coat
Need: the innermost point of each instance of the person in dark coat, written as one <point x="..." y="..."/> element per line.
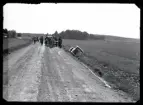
<point x="60" y="42"/>
<point x="34" y="40"/>
<point x="46" y="40"/>
<point x="37" y="39"/>
<point x="56" y="41"/>
<point x="41" y="40"/>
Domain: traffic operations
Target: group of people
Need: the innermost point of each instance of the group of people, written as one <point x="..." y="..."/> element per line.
<point x="36" y="39"/>
<point x="53" y="41"/>
<point x="49" y="41"/>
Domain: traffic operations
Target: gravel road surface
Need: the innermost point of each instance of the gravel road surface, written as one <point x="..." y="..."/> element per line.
<point x="38" y="73"/>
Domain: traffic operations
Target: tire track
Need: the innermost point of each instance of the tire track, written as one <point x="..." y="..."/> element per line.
<point x="54" y="80"/>
<point x="25" y="86"/>
<point x="73" y="86"/>
<point x="80" y="91"/>
<point x="13" y="70"/>
<point x="99" y="92"/>
<point x="47" y="75"/>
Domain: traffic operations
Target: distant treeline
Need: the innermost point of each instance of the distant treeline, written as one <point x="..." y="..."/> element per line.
<point x="78" y="35"/>
<point x="10" y="33"/>
<point x="68" y="34"/>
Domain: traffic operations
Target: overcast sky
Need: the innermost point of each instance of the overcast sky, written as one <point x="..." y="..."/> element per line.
<point x="108" y="19"/>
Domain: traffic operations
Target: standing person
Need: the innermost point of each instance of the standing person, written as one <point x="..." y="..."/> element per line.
<point x="49" y="41"/>
<point x="55" y="41"/>
<point x="37" y="39"/>
<point x="34" y="40"/>
<point x="46" y="40"/>
<point x="52" y="42"/>
<point x="60" y="42"/>
<point x="41" y="40"/>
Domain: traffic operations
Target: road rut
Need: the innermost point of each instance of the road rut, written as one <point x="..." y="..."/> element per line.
<point x="50" y="75"/>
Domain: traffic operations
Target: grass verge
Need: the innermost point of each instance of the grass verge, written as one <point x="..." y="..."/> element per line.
<point x="10" y="45"/>
<point x="119" y="79"/>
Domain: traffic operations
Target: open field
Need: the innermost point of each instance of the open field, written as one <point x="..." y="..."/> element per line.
<point x="11" y="44"/>
<point x="123" y="55"/>
<point x="119" y="61"/>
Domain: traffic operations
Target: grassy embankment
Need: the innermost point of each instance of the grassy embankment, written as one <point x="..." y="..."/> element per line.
<point x="12" y="44"/>
<point x="117" y="61"/>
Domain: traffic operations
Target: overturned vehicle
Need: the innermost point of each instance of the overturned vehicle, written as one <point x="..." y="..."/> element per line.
<point x="77" y="51"/>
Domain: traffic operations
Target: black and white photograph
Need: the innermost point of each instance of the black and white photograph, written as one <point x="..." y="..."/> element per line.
<point x="71" y="52"/>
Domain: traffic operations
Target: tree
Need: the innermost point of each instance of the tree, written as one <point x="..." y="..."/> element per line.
<point x="55" y="34"/>
<point x="5" y="31"/>
<point x="78" y="35"/>
<point x="12" y="33"/>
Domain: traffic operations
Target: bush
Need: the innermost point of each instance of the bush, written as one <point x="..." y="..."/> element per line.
<point x="98" y="71"/>
<point x="12" y="34"/>
<point x="19" y="35"/>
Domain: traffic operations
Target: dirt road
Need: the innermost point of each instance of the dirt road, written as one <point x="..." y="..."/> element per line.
<point x="38" y="73"/>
